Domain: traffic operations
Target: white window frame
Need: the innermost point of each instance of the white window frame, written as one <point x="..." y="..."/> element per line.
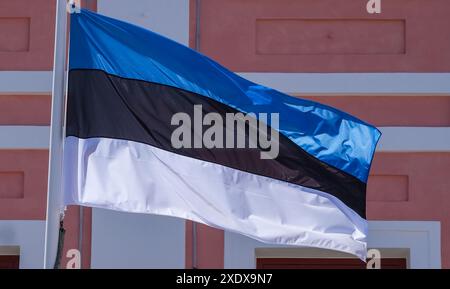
<point x="417" y="241"/>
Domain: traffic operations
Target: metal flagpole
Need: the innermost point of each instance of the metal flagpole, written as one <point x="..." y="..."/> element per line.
<point x="55" y="209"/>
<point x="197" y="48"/>
<point x="81" y="208"/>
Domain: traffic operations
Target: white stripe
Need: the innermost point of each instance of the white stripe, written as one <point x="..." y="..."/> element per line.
<point x="129" y="176"/>
<point x="393" y="84"/>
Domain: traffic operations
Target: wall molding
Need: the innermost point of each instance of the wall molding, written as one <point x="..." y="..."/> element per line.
<point x="130" y="240"/>
<point x="422" y="239"/>
<point x="26" y="82"/>
<point x="299" y="84"/>
<point x="24" y="137"/>
<point x="28" y="236"/>
<point x="414" y="139"/>
<point x="394" y="139"/>
<point x="361" y="84"/>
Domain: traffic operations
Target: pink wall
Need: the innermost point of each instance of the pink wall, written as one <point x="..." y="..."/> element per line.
<point x="26" y="43"/>
<point x="26" y="34"/>
<point x="402" y="186"/>
<point x="23" y="184"/>
<point x="210" y="244"/>
<point x="23" y="196"/>
<point x="247" y="36"/>
<point x="326" y="35"/>
<point x="319" y="36"/>
<point x="412" y="186"/>
<point x="25" y="109"/>
<point x="72" y="225"/>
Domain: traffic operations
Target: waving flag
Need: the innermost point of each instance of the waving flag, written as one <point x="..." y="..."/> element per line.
<point x="155" y="127"/>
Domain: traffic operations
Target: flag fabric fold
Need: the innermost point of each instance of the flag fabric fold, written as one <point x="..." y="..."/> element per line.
<point x="125" y="86"/>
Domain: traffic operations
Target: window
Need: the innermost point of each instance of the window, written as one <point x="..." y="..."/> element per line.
<point x="9" y="262"/>
<point x="325" y="263"/>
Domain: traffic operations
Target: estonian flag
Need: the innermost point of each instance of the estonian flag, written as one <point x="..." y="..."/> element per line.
<point x="128" y="85"/>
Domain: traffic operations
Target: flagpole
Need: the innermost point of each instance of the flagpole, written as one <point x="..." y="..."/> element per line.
<point x="197" y="48"/>
<point x="55" y="209"/>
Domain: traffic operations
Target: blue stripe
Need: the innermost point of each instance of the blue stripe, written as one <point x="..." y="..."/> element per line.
<point x="125" y="50"/>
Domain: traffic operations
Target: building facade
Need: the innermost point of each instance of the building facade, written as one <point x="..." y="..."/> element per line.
<point x="391" y="69"/>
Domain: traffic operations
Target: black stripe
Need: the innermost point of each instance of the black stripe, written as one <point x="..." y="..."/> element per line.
<point x="103" y="105"/>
